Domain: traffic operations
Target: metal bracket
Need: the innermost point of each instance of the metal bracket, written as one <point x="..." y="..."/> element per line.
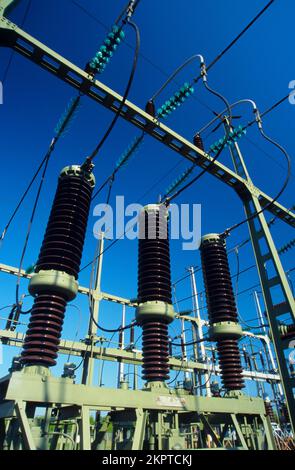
<point x="7" y="5"/>
<point x="139" y="433"/>
<point x="24" y="425"/>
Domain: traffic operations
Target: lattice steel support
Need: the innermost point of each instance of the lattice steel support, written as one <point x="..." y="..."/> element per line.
<point x="272" y="276"/>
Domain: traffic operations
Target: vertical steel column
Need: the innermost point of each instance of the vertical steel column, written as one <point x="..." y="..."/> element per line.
<point x="121" y="346"/>
<point x="88" y="365"/>
<point x="260" y="235"/>
<point x="267" y="340"/>
<point x="201" y="346"/>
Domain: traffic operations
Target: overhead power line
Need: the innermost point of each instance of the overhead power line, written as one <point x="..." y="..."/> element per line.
<point x="236" y="39"/>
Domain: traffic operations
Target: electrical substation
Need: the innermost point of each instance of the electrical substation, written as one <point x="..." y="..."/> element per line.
<point x="207" y="404"/>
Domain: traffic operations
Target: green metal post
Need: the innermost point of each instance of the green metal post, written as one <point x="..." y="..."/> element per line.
<point x="95" y="296"/>
<point x="260" y="235"/>
<point x="24" y="424"/>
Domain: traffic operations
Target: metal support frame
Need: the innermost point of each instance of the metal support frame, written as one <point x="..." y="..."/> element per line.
<point x="13" y="36"/>
<point x="201" y="346"/>
<point x="272" y="276"/>
<point x="97" y="295"/>
<point x="78" y="348"/>
<point x="75" y="401"/>
<point x="139" y="433"/>
<point x="85" y="429"/>
<point x="88" y="363"/>
<point x="28" y="440"/>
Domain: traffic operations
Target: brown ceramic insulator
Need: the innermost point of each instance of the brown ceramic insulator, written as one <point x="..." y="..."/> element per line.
<point x="64" y="237"/>
<point x="155" y="350"/>
<point x="230" y="364"/>
<point x="44" y="330"/>
<point x="222" y="308"/>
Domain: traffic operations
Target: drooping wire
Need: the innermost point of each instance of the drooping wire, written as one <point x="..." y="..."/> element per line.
<point x="282" y="189"/>
<point x="126" y="93"/>
<point x="107" y="330"/>
<point x="196" y="178"/>
<point x="29" y="229"/>
<point x="181" y="369"/>
<point x="130" y="227"/>
<point x="258" y="121"/>
<point x="90" y="296"/>
<point x="144" y="57"/>
<point x="59" y="131"/>
<point x="25" y="194"/>
<point x="175" y="73"/>
<point x="191" y="343"/>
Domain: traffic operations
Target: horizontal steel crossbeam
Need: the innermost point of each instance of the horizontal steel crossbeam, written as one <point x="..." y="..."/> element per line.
<point x="12" y="338"/>
<point x="13" y="36"/>
<point x="82" y="290"/>
<point x="33" y="388"/>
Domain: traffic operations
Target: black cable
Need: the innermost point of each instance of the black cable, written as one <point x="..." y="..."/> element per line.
<point x="191" y="343"/>
<point x="50" y="150"/>
<point x="124" y="233"/>
<point x="157" y="67"/>
<point x="267" y="206"/>
<point x="126" y="93"/>
<point x="178" y="373"/>
<point x="101" y="188"/>
<point x="173" y="75"/>
<point x="236" y="39"/>
<point x="269" y="110"/>
<point x="196" y="178"/>
<point x="29" y="228"/>
<point x="206" y="382"/>
<point x="186" y="276"/>
<point x="128" y="9"/>
<point x="106" y="330"/>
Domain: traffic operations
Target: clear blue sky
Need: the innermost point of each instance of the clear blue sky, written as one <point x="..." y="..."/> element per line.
<point x="260" y="66"/>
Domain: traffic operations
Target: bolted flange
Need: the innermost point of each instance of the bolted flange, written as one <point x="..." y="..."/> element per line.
<point x="54" y="281"/>
<point x="225" y="329"/>
<point x="154" y="310"/>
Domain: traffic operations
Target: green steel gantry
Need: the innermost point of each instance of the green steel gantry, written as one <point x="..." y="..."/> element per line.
<point x="148" y="408"/>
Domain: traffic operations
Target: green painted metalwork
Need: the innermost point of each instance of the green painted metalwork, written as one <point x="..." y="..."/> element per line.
<point x="261" y="238"/>
<point x="144" y="408"/>
<point x="13" y="36"/>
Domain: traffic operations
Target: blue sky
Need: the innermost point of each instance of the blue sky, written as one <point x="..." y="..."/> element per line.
<point x="260" y="67"/>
